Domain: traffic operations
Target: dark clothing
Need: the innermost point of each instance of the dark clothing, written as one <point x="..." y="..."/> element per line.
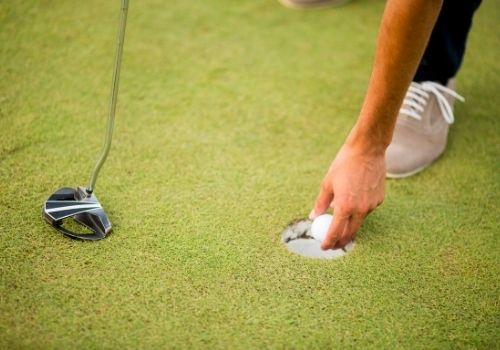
<point x="446" y="47"/>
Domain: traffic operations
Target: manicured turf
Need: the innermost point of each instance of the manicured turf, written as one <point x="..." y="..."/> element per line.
<point x="229" y="114"/>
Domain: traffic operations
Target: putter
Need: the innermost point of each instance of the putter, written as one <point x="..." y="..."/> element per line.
<point x="80" y="204"/>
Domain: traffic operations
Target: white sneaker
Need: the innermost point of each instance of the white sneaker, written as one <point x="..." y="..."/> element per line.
<point x="421" y="128"/>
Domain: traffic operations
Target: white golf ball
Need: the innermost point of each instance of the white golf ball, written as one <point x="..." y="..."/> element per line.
<point x="320" y="225"/>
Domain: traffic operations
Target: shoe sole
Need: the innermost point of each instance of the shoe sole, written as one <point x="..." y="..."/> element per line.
<point x="408" y="174"/>
<point x="293" y="5"/>
<point x="413" y="172"/>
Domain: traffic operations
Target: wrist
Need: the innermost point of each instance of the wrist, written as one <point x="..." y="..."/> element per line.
<point x="369" y="140"/>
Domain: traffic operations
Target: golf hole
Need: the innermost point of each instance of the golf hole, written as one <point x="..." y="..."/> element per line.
<point x="298" y="239"/>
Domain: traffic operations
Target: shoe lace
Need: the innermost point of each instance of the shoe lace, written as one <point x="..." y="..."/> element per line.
<point x="418" y="95"/>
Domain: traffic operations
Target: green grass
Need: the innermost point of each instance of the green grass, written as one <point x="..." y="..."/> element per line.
<point x="229" y="114"/>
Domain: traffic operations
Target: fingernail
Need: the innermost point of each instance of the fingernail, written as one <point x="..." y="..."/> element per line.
<point x="312" y="215"/>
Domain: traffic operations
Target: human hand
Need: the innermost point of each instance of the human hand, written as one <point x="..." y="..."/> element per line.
<point x="353" y="186"/>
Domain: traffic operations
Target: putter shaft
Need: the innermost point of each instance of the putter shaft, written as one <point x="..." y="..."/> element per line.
<point x="114" y="95"/>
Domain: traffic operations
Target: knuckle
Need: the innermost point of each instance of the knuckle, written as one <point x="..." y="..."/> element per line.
<point x="364" y="209"/>
<point x="346" y="208"/>
<point x="346" y="211"/>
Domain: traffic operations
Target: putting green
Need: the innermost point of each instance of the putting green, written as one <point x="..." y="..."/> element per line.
<point x="228" y="115"/>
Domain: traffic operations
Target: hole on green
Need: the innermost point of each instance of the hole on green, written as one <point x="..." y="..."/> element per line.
<point x="298" y="239"/>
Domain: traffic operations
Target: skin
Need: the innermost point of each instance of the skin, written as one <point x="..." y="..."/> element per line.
<point x="355" y="182"/>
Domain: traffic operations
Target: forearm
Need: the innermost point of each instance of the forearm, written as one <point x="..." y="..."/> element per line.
<point x="404" y="32"/>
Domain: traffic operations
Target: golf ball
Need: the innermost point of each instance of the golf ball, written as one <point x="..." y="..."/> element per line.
<point x="320" y="225"/>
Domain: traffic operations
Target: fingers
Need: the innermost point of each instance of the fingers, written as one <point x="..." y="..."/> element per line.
<point x="342" y="230"/>
<point x="323" y="200"/>
<point x="352" y="228"/>
<point x="336" y="230"/>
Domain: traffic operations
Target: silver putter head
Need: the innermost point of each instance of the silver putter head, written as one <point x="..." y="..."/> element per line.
<point x="69" y="203"/>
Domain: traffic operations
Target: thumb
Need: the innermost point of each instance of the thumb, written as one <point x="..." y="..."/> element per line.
<point x="323" y="200"/>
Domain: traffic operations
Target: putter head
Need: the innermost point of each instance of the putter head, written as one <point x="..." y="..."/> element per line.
<point x="70" y="203"/>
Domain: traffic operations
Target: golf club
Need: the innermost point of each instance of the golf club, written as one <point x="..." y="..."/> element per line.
<point x="81" y="204"/>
